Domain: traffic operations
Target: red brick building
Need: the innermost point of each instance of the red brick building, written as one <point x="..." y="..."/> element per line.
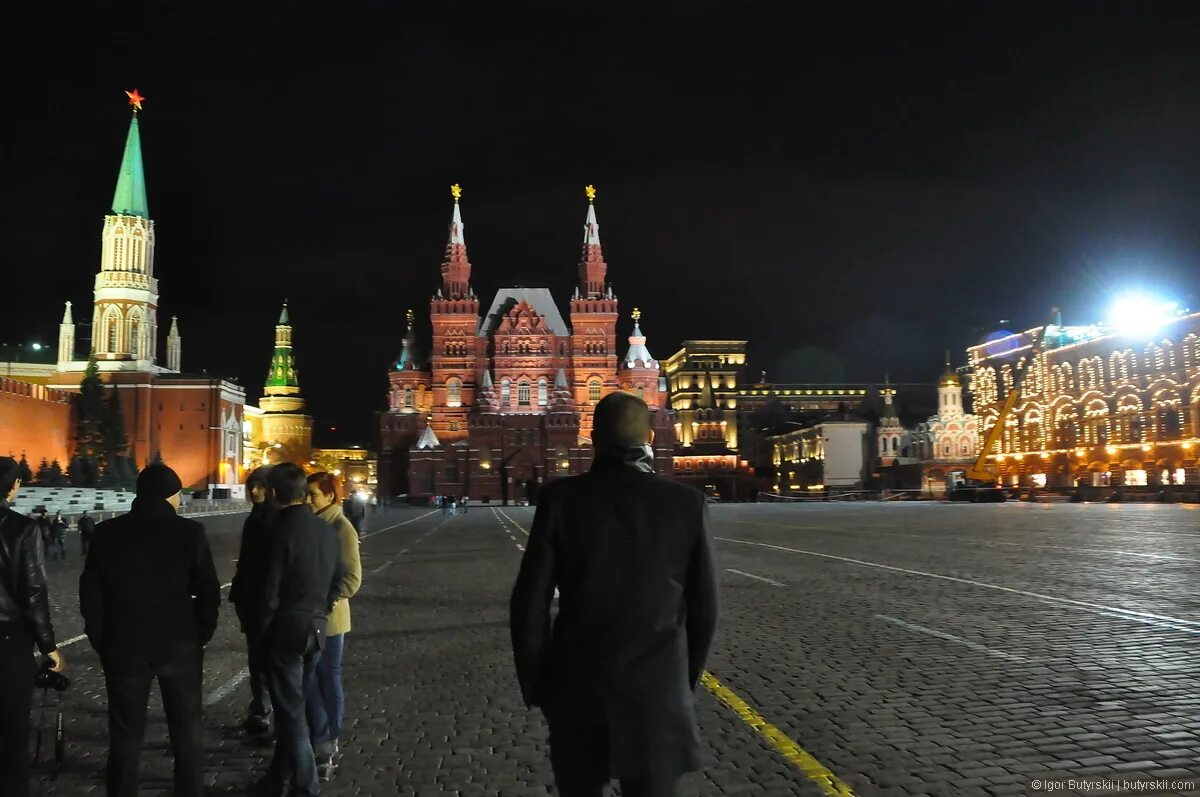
<point x="504" y="401"/>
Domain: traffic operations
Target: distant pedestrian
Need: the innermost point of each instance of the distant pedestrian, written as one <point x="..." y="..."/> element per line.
<point x="24" y="624"/>
<point x="149" y="595"/>
<point x="87" y="526"/>
<point x="465" y="501"/>
<point x="631" y="554"/>
<point x="304" y="578"/>
<point x="58" y="533"/>
<point x="45" y="532"/>
<point x="355" y="512"/>
<point x="245" y="593"/>
<point x="326" y="700"/>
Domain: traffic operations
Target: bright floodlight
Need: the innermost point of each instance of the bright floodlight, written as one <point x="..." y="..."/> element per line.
<point x="1138" y="316"/>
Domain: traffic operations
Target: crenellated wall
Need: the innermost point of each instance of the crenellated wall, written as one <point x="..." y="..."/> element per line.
<point x="36" y="420"/>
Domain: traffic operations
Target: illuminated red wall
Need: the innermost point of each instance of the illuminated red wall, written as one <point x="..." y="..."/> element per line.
<point x="35" y="420"/>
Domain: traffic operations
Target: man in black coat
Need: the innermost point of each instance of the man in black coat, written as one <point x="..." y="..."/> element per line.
<point x="24" y="623"/>
<point x="246" y="595"/>
<point x="303" y="578"/>
<point x="87" y="526"/>
<point x="149" y="595"/>
<point x="631" y="555"/>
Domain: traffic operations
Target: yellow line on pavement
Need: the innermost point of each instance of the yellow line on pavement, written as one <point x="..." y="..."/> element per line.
<point x="795" y="755"/>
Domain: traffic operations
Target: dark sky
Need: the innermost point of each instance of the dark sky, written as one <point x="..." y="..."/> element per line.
<point x="853" y="189"/>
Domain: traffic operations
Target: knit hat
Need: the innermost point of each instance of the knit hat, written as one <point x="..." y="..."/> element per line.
<point x="158" y="483"/>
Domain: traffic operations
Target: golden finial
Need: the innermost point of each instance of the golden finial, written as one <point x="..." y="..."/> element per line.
<point x="637" y="314"/>
<point x="456" y="191"/>
<point x="590" y="190"/>
<point x="409" y="316"/>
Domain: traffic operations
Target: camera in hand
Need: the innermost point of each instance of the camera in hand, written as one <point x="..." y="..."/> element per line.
<point x="46" y="678"/>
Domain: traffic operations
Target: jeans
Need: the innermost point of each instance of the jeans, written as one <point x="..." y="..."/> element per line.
<point x="256" y="661"/>
<point x="180" y="683"/>
<point x="60" y="548"/>
<point x="289" y="677"/>
<point x="325" y="702"/>
<point x="16" y="700"/>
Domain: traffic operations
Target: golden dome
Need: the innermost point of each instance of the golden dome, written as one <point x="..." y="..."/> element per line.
<point x="949" y="377"/>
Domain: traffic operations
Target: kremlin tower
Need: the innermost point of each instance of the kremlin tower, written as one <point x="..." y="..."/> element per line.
<point x="504" y="401"/>
<point x="286" y="432"/>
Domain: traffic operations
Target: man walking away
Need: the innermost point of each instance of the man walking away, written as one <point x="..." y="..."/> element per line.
<point x="87" y="525"/>
<point x="58" y="531"/>
<point x="631" y="554"/>
<point x="304" y="576"/>
<point x="356" y="512"/>
<point x="46" y="534"/>
<point x="149" y="595"/>
<point x="24" y="622"/>
<point x="246" y="595"/>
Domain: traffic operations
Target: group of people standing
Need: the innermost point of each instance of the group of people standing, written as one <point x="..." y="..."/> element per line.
<point x="292" y="594"/>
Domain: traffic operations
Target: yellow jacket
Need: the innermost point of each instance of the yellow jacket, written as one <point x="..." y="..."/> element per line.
<point x="339" y="618"/>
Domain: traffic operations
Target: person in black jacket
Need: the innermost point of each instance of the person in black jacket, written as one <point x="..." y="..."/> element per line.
<point x="631" y="555"/>
<point x="304" y="577"/>
<point x="246" y="594"/>
<point x="24" y="622"/>
<point x="149" y="595"/>
<point x="87" y="525"/>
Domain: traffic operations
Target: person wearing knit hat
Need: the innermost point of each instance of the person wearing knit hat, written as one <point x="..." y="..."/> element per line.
<point x="246" y="592"/>
<point x="149" y="596"/>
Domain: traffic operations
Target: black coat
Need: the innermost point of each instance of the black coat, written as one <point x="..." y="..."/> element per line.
<point x="149" y="591"/>
<point x="631" y="555"/>
<point x="246" y="590"/>
<point x="23" y="597"/>
<point x="303" y="578"/>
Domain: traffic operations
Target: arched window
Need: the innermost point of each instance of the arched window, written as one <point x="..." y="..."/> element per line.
<point x="408" y="398"/>
<point x="543" y="395"/>
<point x="523" y="393"/>
<point x="135" y="329"/>
<point x="966" y="448"/>
<point x="111" y="333"/>
<point x="562" y="459"/>
<point x="640" y="391"/>
<point x="505" y="392"/>
<point x="593" y="390"/>
<point x="485" y="457"/>
<point x="453" y="392"/>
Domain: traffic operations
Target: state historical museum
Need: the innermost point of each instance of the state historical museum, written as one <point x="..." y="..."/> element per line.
<point x="504" y="402"/>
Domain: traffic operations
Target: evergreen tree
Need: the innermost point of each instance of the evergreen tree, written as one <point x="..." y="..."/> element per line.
<point x="25" y="474"/>
<point x="56" y="477"/>
<point x="80" y="473"/>
<point x="116" y="442"/>
<point x="157" y="459"/>
<point x="42" y="479"/>
<point x="90" y="423"/>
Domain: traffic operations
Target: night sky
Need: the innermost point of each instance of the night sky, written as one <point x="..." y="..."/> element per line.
<point x="853" y="189"/>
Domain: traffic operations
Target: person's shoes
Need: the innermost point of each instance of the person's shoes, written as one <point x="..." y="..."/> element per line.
<point x="257" y="725"/>
<point x="325" y="769"/>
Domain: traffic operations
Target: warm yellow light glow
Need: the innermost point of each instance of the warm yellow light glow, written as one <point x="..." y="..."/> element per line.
<point x="1111" y="449"/>
<point x="1146" y="448"/>
<point x="337" y="471"/>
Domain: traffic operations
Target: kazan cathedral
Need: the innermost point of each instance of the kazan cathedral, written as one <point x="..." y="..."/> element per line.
<point x="504" y="401"/>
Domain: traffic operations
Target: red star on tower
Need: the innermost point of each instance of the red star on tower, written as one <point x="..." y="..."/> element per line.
<point x="135" y="99"/>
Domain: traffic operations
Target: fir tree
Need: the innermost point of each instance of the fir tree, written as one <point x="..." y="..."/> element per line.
<point x="116" y="442"/>
<point x="56" y="477"/>
<point x="90" y="422"/>
<point x="80" y="473"/>
<point x="42" y="479"/>
<point x="24" y="472"/>
<point x="157" y="459"/>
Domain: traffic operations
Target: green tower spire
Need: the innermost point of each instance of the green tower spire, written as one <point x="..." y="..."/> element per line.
<point x="283" y="363"/>
<point x="130" y="197"/>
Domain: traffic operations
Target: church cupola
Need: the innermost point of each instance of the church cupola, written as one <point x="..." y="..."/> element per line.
<point x="407" y="361"/>
<point x="456" y="269"/>
<point x="949" y="391"/>
<point x="639" y="371"/>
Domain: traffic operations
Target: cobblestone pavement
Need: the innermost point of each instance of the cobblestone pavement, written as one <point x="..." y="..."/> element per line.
<point x="909" y="648"/>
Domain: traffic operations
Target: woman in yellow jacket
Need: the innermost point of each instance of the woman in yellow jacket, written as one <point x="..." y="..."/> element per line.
<point x="325" y="702"/>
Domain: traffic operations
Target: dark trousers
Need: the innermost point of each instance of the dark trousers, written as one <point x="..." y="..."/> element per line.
<point x="256" y="662"/>
<point x="579" y="758"/>
<point x="325" y="700"/>
<point x="16" y="699"/>
<point x="290" y="676"/>
<point x="180" y="682"/>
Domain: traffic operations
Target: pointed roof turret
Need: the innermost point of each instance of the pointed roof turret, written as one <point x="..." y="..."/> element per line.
<point x="456" y="268"/>
<point x="592" y="268"/>
<point x="560" y="380"/>
<point x="174" y="331"/>
<point x="487" y="379"/>
<point x="949" y="377"/>
<point x="130" y="197"/>
<point x="561" y="401"/>
<point x="67" y="317"/>
<point x="283" y="373"/>
<point x="407" y="361"/>
<point x="889" y="409"/>
<point x="638" y="355"/>
<point x="428" y="439"/>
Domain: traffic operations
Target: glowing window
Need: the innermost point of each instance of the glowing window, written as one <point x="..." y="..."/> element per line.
<point x="523" y="393"/>
<point x="454" y="393"/>
<point x="594" y="390"/>
<point x="505" y="392"/>
<point x="542" y="392"/>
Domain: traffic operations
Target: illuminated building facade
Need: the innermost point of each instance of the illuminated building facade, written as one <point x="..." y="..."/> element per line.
<point x="834" y="455"/>
<point x="1097" y="408"/>
<point x="504" y="400"/>
<point x="355" y="466"/>
<point x="279" y="430"/>
<point x="194" y="421"/>
<point x="702" y="378"/>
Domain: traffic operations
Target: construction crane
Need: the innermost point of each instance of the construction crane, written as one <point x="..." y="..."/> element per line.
<point x="979" y="483"/>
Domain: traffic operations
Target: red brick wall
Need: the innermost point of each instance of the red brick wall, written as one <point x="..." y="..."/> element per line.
<point x="36" y="420"/>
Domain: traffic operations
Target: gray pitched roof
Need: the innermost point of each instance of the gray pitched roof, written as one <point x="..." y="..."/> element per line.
<point x="539" y="298"/>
